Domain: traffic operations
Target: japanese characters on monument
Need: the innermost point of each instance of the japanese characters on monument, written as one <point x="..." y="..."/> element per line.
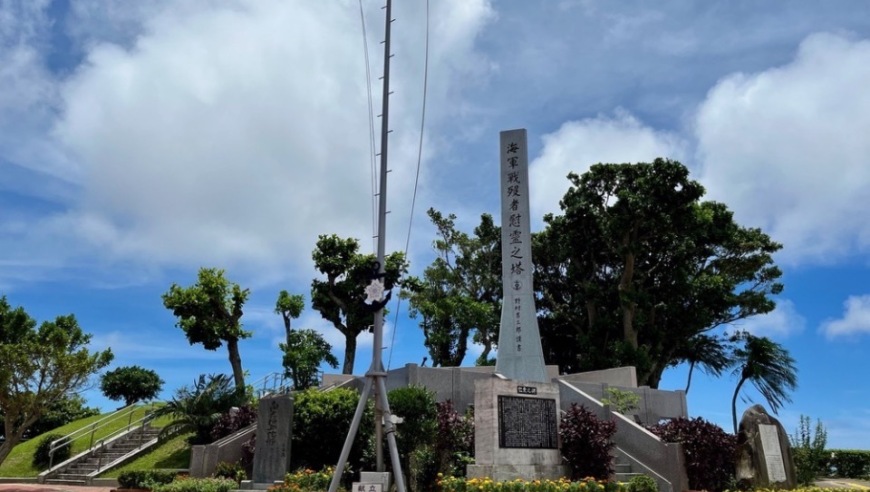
<point x="519" y="344"/>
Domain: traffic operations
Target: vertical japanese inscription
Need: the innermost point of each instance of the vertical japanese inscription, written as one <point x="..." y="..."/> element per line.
<point x="520" y="355"/>
<point x="516" y="186"/>
<point x="527" y="422"/>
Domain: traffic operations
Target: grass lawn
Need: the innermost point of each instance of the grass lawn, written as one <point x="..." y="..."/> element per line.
<point x="18" y="463"/>
<point x="173" y="454"/>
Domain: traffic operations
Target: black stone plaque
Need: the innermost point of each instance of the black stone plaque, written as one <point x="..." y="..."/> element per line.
<point x="527" y="422"/>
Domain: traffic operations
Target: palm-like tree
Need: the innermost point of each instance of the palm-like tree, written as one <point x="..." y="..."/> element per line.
<point x="768" y="366"/>
<point x="196" y="409"/>
<point x="707" y="352"/>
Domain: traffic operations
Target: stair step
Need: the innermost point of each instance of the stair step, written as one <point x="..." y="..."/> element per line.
<point x="622" y="468"/>
<point x="78" y="472"/>
<point x="625" y="477"/>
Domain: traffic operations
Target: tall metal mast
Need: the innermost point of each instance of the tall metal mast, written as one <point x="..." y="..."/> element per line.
<point x="376" y="375"/>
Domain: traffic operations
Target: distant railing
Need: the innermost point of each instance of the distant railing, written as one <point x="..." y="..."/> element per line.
<point x="272" y="383"/>
<point x="93" y="429"/>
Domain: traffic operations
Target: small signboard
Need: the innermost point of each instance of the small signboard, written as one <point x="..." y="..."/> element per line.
<point x="367" y="487"/>
<point x="527" y="390"/>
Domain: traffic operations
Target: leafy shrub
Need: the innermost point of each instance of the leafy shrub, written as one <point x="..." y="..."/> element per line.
<point x="808" y="451"/>
<point x="454" y="441"/>
<point x="423" y="469"/>
<point x="456" y="484"/>
<point x="41" y="458"/>
<point x="232" y="420"/>
<point x="306" y="480"/>
<point x="416" y="406"/>
<point x="321" y="421"/>
<point x="233" y="471"/>
<point x="622" y="401"/>
<point x="144" y="479"/>
<point x="59" y="412"/>
<point x="708" y="450"/>
<point x="643" y="483"/>
<point x="198" y="485"/>
<point x="850" y="463"/>
<point x="586" y="443"/>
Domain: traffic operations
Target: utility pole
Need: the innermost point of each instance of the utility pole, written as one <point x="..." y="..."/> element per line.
<point x="376" y="375"/>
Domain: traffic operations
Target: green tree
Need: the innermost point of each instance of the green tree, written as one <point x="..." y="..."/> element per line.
<point x="289" y="307"/>
<point x="195" y="409"/>
<point x="62" y="411"/>
<point x="637" y="265"/>
<point x="768" y="366"/>
<point x="340" y="297"/>
<point x="460" y="292"/>
<point x="131" y="384"/>
<point x="304" y="350"/>
<point x="710" y="352"/>
<point x="40" y="366"/>
<point x="210" y="313"/>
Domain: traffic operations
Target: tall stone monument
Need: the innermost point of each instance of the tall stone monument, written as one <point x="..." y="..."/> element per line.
<point x="520" y="355"/>
<point x="516" y="412"/>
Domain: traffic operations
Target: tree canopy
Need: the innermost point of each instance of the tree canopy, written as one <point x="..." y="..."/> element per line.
<point x="304" y="350"/>
<point x="339" y="297"/>
<point x="636" y="270"/>
<point x="40" y="367"/>
<point x="210" y="312"/>
<point x="460" y="292"/>
<point x="637" y="265"/>
<point x="131" y="384"/>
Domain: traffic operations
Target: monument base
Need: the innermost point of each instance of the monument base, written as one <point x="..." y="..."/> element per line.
<point x="502" y="473"/>
<point x="516" y="430"/>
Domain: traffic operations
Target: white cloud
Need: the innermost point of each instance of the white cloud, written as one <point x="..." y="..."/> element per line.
<point x="779" y="323"/>
<point x="855" y="319"/>
<point x="577" y="145"/>
<point x="787" y="148"/>
<point x="233" y="133"/>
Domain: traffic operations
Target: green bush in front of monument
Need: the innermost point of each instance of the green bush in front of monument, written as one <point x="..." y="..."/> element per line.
<point x="416" y="432"/>
<point x="321" y="421"/>
<point x="642" y="483"/>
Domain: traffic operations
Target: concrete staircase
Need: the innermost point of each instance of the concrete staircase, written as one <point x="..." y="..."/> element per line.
<point x="86" y="466"/>
<point x="622" y="471"/>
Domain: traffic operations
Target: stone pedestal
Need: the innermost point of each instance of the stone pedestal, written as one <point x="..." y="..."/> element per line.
<point x="272" y="454"/>
<point x="516" y="430"/>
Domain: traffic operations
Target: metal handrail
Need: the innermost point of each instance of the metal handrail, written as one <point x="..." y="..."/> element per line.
<point x="127" y="411"/>
<point x="279" y="383"/>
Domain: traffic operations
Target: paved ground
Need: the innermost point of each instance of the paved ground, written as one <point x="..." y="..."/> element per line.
<point x="844" y="483"/>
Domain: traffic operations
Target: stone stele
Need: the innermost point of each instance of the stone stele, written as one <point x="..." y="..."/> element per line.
<point x="272" y="454"/>
<point x="764" y="458"/>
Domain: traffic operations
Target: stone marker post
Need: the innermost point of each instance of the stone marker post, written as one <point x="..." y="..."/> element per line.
<point x="764" y="456"/>
<point x="272" y="454"/>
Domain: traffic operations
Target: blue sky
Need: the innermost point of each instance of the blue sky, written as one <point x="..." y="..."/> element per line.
<point x="140" y="141"/>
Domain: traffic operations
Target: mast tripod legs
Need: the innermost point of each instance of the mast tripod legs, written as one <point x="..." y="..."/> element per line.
<point x="390" y="431"/>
